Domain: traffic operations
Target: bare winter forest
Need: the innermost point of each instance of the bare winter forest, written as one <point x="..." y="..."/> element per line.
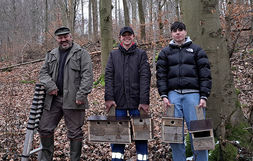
<point x="223" y="28"/>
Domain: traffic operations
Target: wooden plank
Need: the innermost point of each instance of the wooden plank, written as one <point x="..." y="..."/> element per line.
<point x="143" y="113"/>
<point x="204" y="143"/>
<point x="199" y="112"/>
<point x="142" y="128"/>
<point x="172" y="121"/>
<point x="173" y="130"/>
<point x="172" y="134"/>
<point x="108" y="118"/>
<point x="169" y="112"/>
<point x="203" y="140"/>
<point x="111" y="111"/>
<point x="112" y="132"/>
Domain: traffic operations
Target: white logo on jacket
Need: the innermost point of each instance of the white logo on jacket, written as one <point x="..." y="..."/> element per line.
<point x="189" y="50"/>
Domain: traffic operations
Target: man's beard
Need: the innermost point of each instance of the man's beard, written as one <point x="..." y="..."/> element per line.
<point x="65" y="47"/>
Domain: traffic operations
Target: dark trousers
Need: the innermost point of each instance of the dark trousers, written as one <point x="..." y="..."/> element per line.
<point x="141" y="145"/>
<point x="74" y="120"/>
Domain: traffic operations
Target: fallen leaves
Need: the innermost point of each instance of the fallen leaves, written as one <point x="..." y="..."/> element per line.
<point x="16" y="92"/>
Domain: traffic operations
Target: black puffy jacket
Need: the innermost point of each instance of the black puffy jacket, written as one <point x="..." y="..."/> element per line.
<point x="184" y="67"/>
<point x="127" y="77"/>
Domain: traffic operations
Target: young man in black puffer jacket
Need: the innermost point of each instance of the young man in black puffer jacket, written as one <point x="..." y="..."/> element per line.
<point x="127" y="86"/>
<point x="184" y="79"/>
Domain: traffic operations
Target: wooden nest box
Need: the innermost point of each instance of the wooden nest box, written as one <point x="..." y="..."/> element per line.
<point x="109" y="129"/>
<point x="202" y="132"/>
<point x="142" y="127"/>
<point x="172" y="127"/>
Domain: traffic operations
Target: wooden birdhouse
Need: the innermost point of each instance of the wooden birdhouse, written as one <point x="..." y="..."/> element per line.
<point x="172" y="127"/>
<point x="202" y="132"/>
<point x="109" y="129"/>
<point x="142" y="127"/>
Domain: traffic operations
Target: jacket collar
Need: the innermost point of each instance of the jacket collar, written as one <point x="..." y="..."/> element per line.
<point x="187" y="42"/>
<point x="76" y="47"/>
<point x="73" y="50"/>
<point x="129" y="51"/>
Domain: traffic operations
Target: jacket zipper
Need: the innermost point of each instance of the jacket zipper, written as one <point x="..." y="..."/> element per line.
<point x="180" y="63"/>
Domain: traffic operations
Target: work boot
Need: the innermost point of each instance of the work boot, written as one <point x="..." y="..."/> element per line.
<point x="75" y="150"/>
<point x="47" y="151"/>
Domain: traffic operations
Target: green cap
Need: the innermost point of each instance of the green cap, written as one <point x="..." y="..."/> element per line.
<point x="62" y="31"/>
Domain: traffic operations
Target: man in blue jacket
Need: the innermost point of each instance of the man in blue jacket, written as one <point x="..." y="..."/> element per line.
<point x="184" y="79"/>
<point x="127" y="86"/>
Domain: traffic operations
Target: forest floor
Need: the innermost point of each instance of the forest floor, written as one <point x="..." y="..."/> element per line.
<point x="16" y="93"/>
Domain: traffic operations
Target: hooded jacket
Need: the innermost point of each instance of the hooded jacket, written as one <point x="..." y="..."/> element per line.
<point x="77" y="81"/>
<point x="127" y="77"/>
<point x="183" y="67"/>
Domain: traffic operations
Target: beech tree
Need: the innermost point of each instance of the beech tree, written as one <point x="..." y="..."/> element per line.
<point x="203" y="26"/>
<point x="95" y="20"/>
<point x="142" y="20"/>
<point x="126" y="13"/>
<point x="105" y="10"/>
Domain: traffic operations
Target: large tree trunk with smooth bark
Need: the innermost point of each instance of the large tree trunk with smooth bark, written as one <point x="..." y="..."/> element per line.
<point x="105" y="10"/>
<point x="203" y="25"/>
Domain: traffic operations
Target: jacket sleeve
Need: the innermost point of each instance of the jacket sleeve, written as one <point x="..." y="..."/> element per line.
<point x="205" y="79"/>
<point x="86" y="76"/>
<point x="161" y="74"/>
<point x="44" y="76"/>
<point x="109" y="79"/>
<point x="145" y="76"/>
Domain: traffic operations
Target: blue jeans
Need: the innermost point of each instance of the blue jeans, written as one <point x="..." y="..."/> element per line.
<point x="141" y="145"/>
<point x="185" y="107"/>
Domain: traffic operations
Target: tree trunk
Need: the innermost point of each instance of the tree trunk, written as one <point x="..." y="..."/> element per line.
<point x="120" y="17"/>
<point x="105" y="10"/>
<point x="64" y="13"/>
<point x="142" y="20"/>
<point x="251" y="35"/>
<point x="177" y="10"/>
<point x="134" y="17"/>
<point x="95" y="20"/>
<point x="46" y="24"/>
<point x="167" y="9"/>
<point x="90" y="22"/>
<point x="71" y="15"/>
<point x="228" y="23"/>
<point x="203" y="25"/>
<point x="82" y="27"/>
<point x="35" y="20"/>
<point x="116" y="13"/>
<point x="126" y="13"/>
<point x="150" y="19"/>
<point x="160" y="4"/>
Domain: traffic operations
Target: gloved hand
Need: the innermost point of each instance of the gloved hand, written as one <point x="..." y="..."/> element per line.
<point x="109" y="104"/>
<point x="144" y="107"/>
